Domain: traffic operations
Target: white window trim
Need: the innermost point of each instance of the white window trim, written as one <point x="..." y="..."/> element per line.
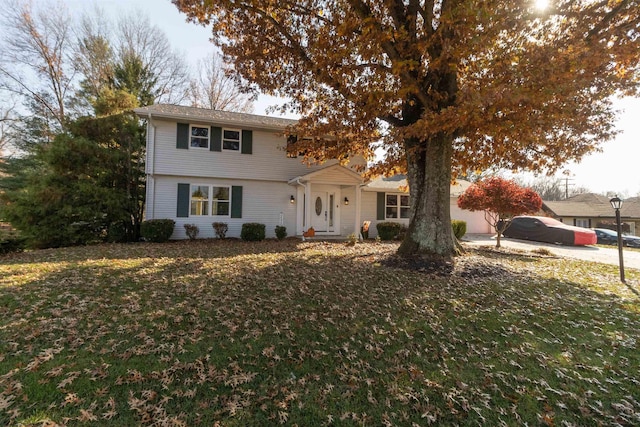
<point x="191" y="126"/>
<point x="210" y="199"/>
<point x="584" y="221"/>
<point x="191" y="199"/>
<point x="399" y="206"/>
<point x="228" y="187"/>
<point x="239" y="139"/>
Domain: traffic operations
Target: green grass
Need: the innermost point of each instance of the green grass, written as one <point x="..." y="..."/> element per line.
<point x="313" y="334"/>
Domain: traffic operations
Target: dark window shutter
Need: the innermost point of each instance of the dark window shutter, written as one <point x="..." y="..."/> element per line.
<point x="236" y="201"/>
<point x="247" y="142"/>
<point x="380" y="210"/>
<point x="182" y="140"/>
<point x="183" y="200"/>
<point x="216" y="139"/>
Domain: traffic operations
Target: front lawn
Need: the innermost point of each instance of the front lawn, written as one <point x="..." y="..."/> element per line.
<point x="311" y="334"/>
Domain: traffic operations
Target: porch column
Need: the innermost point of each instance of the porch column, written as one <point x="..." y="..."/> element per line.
<point x="307" y="204"/>
<point x="358" y="205"/>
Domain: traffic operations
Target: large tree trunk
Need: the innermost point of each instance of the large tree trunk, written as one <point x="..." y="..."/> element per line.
<point x="429" y="175"/>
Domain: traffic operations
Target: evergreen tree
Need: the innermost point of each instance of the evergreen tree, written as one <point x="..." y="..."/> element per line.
<point x="133" y="76"/>
<point x="88" y="183"/>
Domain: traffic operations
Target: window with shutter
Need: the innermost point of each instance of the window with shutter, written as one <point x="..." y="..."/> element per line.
<point x="182" y="136"/>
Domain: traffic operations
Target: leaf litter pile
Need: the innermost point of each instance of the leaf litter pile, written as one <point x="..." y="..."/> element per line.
<point x="289" y="333"/>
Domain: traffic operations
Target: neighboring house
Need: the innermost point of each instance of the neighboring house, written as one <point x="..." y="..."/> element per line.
<point x="388" y="200"/>
<point x="206" y="166"/>
<point x="593" y="210"/>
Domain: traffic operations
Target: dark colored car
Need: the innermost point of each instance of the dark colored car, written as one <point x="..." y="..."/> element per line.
<point x="631" y="241"/>
<point x="549" y="230"/>
<point x="610" y="237"/>
<point x="606" y="236"/>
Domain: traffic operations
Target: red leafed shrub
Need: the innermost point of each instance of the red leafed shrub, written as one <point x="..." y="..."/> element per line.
<point x="500" y="199"/>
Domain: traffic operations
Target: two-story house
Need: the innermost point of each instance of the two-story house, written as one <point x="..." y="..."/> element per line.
<point x="206" y="166"/>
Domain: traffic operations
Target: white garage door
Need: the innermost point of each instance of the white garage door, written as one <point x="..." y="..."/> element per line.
<point x="476" y="223"/>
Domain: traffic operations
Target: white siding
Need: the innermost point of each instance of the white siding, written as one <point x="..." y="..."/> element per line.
<point x="263" y="175"/>
<point x="476" y="224"/>
<point x="475" y="220"/>
<point x="262" y="202"/>
<point x="268" y="161"/>
<point x="369" y="211"/>
<point x="348" y="212"/>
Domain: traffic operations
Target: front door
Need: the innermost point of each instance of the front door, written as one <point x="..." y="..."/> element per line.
<point x="319" y="211"/>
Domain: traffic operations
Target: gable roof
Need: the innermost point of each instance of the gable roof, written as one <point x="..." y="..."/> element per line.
<point x="579" y="209"/>
<point x="591" y="198"/>
<point x="397" y="182"/>
<point x="590" y="205"/>
<point x="333" y="173"/>
<point x="631" y="207"/>
<point x="227" y="118"/>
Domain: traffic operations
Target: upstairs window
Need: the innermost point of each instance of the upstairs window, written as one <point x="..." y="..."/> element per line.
<point x="231" y="139"/>
<point x="397" y="206"/>
<point x="292" y="153"/>
<point x="292" y="146"/>
<point x="199" y="137"/>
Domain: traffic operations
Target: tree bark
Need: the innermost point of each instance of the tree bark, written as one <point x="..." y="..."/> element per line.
<point x="429" y="174"/>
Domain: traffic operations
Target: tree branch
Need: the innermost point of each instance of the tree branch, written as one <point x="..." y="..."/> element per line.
<point x="426" y="12"/>
<point x="392" y="120"/>
<point x="301" y="53"/>
<point x="606" y="19"/>
<point x="390" y="49"/>
<point x="30" y="92"/>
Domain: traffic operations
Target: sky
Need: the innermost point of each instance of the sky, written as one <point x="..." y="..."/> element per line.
<point x="615" y="169"/>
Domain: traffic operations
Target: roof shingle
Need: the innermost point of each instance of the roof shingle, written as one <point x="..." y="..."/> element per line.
<point x="590" y="205"/>
<point x="194" y="114"/>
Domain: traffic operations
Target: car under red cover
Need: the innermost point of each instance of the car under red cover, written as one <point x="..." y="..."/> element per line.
<point x="544" y="229"/>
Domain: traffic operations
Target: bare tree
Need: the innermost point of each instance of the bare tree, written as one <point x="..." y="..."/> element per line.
<point x="214" y="87"/>
<point x="137" y="40"/>
<point x="553" y="188"/>
<point x="93" y="55"/>
<point x="58" y="67"/>
<point x="130" y="54"/>
<point x="7" y="119"/>
<point x="35" y="56"/>
<point x="480" y="175"/>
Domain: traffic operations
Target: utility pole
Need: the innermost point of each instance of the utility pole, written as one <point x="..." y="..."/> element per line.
<point x="566" y="187"/>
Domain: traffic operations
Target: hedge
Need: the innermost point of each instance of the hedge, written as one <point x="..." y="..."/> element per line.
<point x="252" y="232"/>
<point x="157" y="230"/>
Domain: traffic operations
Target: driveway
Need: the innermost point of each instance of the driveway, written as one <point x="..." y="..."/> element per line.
<point x="608" y="255"/>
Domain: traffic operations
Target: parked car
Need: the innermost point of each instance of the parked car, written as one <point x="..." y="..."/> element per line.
<point x="631" y="241"/>
<point x="549" y="230"/>
<point x="610" y="237"/>
<point x="606" y="236"/>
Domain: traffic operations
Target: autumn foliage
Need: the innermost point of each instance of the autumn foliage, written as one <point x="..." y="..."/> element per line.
<point x="280" y="333"/>
<point x="500" y="199"/>
<point x="458" y="85"/>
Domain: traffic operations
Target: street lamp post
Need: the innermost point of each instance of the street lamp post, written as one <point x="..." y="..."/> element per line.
<point x="616" y="203"/>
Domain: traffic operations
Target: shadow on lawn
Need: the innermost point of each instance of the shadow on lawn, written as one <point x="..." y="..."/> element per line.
<point x="633" y="288"/>
<point x="200" y="248"/>
<point x="492" y="335"/>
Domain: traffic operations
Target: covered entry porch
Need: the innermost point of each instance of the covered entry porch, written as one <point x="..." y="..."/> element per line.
<point x="329" y="201"/>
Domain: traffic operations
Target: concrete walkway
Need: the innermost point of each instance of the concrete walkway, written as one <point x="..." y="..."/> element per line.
<point x="605" y="255"/>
